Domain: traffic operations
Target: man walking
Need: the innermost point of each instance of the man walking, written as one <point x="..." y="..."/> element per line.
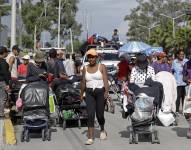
<point x="5" y="77"/>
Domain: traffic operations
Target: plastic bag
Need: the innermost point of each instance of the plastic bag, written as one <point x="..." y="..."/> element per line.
<point x="143" y="108"/>
<point x="19" y="103"/>
<point x="166" y="118"/>
<point x="187" y="101"/>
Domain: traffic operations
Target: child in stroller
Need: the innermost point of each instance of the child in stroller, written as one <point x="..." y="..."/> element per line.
<point x="35" y="110"/>
<point x="142" y="113"/>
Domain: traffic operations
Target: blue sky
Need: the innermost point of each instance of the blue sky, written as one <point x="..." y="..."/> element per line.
<point x="102" y="16"/>
<point x="105" y="15"/>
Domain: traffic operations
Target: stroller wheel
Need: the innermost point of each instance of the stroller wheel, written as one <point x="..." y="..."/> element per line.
<point x="136" y="138"/>
<point x="156" y="137"/>
<point x="27" y="138"/>
<point x="153" y="141"/>
<point x="79" y="124"/>
<point x="130" y="138"/>
<point x="23" y="136"/>
<point x="43" y="134"/>
<point x="64" y="124"/>
<point x="48" y="135"/>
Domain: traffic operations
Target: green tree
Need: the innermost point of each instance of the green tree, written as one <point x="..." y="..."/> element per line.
<point x="4" y="11"/>
<point x="147" y="13"/>
<point x="76" y="45"/>
<point x="35" y="14"/>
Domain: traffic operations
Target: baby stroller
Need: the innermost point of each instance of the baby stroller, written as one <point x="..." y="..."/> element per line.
<point x="35" y="111"/>
<point x="70" y="106"/>
<point x="143" y="118"/>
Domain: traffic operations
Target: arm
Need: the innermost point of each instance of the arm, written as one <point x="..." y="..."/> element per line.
<point x="11" y="62"/>
<point x="105" y="80"/>
<point x="82" y="83"/>
<point x="6" y="73"/>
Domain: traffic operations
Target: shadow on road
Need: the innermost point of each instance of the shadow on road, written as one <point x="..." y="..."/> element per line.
<point x="181" y="132"/>
<point x="96" y="133"/>
<point x="125" y="134"/>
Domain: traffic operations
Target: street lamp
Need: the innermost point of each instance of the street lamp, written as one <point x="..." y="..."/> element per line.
<point x="149" y="28"/>
<point x="173" y="22"/>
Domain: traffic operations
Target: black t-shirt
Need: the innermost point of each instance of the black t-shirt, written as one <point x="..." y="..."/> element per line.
<point x="5" y="74"/>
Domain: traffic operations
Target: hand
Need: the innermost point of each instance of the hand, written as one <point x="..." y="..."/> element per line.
<point x="7" y="88"/>
<point x="81" y="98"/>
<point x="106" y="95"/>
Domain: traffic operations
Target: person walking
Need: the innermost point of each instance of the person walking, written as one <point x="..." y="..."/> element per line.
<point x="69" y="66"/>
<point x="95" y="85"/>
<point x="22" y="68"/>
<point x="161" y="64"/>
<point x="177" y="70"/>
<point x="12" y="61"/>
<point x="5" y="77"/>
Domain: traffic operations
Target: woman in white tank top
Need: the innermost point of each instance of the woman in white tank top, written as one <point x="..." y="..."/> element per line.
<point x="95" y="85"/>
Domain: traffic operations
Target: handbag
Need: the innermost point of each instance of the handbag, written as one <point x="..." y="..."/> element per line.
<point x="187" y="101"/>
<point x="165" y="118"/>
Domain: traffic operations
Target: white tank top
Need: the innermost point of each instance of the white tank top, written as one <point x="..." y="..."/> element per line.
<point x="94" y="80"/>
<point x="14" y="67"/>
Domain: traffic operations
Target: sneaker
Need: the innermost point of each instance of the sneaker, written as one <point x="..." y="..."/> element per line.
<point x="89" y="142"/>
<point x="103" y="135"/>
<point x="189" y="133"/>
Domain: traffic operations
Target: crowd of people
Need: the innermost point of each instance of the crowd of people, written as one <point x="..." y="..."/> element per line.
<point x="141" y="69"/>
<point x="137" y="72"/>
<point x="37" y="67"/>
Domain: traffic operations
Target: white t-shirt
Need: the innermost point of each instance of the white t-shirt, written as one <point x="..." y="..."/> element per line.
<point x="139" y="76"/>
<point x="69" y="67"/>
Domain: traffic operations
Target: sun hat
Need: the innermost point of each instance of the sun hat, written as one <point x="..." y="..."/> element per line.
<point x="26" y="57"/>
<point x="39" y="56"/>
<point x="141" y="61"/>
<point x="92" y="52"/>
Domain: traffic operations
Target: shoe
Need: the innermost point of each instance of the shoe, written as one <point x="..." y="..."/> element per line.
<point x="103" y="135"/>
<point x="189" y="133"/>
<point x="89" y="142"/>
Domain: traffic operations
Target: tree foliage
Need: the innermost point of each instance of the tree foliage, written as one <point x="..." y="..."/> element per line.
<point x="148" y="14"/>
<point x="4" y="11"/>
<point x="44" y="14"/>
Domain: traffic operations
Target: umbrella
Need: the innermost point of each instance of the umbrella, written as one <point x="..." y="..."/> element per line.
<point x="134" y="47"/>
<point x="153" y="50"/>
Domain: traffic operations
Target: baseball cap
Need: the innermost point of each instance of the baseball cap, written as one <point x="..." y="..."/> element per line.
<point x="92" y="52"/>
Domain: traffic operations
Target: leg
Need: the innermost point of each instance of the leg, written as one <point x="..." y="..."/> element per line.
<point x="100" y="105"/>
<point x="90" y="101"/>
<point x="2" y="101"/>
<point x="178" y="98"/>
<point x="183" y="95"/>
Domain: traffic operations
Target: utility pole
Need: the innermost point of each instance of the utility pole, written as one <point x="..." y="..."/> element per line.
<point x="71" y="40"/>
<point x="20" y="23"/>
<point x="59" y="13"/>
<point x="35" y="37"/>
<point x="13" y="23"/>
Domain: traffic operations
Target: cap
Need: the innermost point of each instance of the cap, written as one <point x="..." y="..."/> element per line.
<point x="16" y="47"/>
<point x="26" y="57"/>
<point x="39" y="56"/>
<point x="92" y="52"/>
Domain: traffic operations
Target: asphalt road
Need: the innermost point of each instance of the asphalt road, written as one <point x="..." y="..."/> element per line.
<point x="117" y="128"/>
